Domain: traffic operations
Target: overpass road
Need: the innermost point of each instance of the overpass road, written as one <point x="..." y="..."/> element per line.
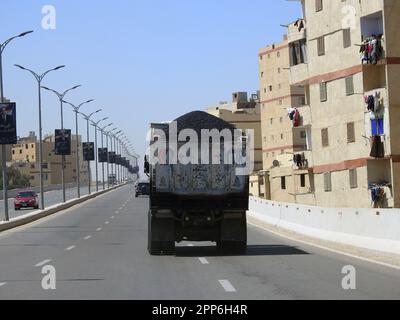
<point x="98" y="250"/>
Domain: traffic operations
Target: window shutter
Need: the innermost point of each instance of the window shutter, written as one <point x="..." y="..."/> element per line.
<point x="327" y="182"/>
<point x="323" y="90"/>
<point x="346" y="38"/>
<point x="325" y="137"/>
<point x="321" y="46"/>
<point x="318" y="5"/>
<point x="349" y="86"/>
<point x="351" y="135"/>
<point x="353" y="178"/>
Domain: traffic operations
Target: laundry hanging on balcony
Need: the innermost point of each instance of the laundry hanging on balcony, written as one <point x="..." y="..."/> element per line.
<point x="371" y="50"/>
<point x="377" y="149"/>
<point x="374" y="102"/>
<point x="294" y="116"/>
<point x="300" y="161"/>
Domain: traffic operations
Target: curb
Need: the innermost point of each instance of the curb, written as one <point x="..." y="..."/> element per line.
<point x="31" y="217"/>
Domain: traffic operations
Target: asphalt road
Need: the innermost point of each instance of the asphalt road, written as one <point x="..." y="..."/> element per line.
<point x="98" y="250"/>
<point x="50" y="198"/>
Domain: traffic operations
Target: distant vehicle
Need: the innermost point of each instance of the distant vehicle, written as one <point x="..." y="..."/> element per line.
<point x="206" y="202"/>
<point x="26" y="199"/>
<point x="112" y="179"/>
<point x="142" y="189"/>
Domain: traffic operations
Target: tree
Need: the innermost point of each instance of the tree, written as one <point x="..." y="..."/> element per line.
<point x="16" y="179"/>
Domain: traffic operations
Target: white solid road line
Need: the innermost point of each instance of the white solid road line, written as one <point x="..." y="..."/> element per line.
<point x="3" y="284"/>
<point x="228" y="287"/>
<point x="42" y="263"/>
<point x="70" y="248"/>
<point x="190" y="245"/>
<point x="87" y="237"/>
<point x="98" y="229"/>
<point x="204" y="261"/>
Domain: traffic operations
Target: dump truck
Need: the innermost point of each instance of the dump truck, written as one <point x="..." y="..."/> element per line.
<point x="195" y="201"/>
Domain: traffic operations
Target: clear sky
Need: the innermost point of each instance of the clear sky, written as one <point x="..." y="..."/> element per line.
<point x="142" y="61"/>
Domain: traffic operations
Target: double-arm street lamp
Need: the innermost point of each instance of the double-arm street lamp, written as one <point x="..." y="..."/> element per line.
<point x="111" y="135"/>
<point x="3" y="147"/>
<point x="95" y="125"/>
<point x="61" y="98"/>
<point x="87" y="118"/>
<point x="103" y="132"/>
<point x="76" y="110"/>
<point x="116" y="166"/>
<point x="39" y="78"/>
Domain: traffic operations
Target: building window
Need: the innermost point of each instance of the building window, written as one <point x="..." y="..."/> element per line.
<point x="303" y="135"/>
<point x="377" y="127"/>
<point x="303" y="180"/>
<point x="13" y="152"/>
<point x="26" y="146"/>
<point x="283" y="183"/>
<point x="262" y="74"/>
<point x="325" y="137"/>
<point x="32" y="146"/>
<point x="321" y="46"/>
<point x="351" y="133"/>
<point x="346" y="38"/>
<point x="349" y="86"/>
<point x="279" y="70"/>
<point x="270" y="88"/>
<point x="20" y="151"/>
<point x="353" y="178"/>
<point x="328" y="182"/>
<point x="318" y="5"/>
<point x="278" y="54"/>
<point x="323" y="91"/>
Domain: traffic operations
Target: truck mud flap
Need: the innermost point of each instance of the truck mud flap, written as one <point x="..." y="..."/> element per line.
<point x="233" y="236"/>
<point x="161" y="236"/>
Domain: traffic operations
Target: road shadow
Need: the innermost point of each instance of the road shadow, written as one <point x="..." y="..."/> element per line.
<point x="252" y="250"/>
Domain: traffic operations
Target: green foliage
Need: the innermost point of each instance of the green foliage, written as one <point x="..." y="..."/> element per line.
<point x="16" y="180"/>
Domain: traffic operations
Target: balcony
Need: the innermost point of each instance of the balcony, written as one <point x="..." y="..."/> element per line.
<point x="307" y="164"/>
<point x="369" y="7"/>
<point x="299" y="74"/>
<point x="295" y="33"/>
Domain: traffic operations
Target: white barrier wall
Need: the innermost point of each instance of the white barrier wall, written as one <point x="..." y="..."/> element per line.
<point x="375" y="229"/>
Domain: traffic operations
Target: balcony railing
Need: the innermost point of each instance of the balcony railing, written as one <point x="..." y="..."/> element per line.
<point x="297" y="32"/>
<point x="299" y="74"/>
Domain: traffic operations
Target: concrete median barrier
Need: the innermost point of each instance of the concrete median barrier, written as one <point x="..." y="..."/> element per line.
<point x="373" y="229"/>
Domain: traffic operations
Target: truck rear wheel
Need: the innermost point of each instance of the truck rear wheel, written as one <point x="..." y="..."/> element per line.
<point x="161" y="235"/>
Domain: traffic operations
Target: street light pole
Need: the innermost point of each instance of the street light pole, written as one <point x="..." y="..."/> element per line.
<point x="104" y="133"/>
<point x="87" y="118"/>
<point x="61" y="98"/>
<point x="39" y="79"/>
<point x="95" y="125"/>
<point x="76" y="110"/>
<point x="3" y="147"/>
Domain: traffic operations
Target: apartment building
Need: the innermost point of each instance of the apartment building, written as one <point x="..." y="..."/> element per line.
<point x="344" y="59"/>
<point x="25" y="157"/>
<point x="244" y="113"/>
<point x="280" y="137"/>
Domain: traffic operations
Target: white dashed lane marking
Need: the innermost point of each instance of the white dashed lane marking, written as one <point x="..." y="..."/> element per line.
<point x="107" y="222"/>
<point x="87" y="237"/>
<point x="70" y="248"/>
<point x="204" y="261"/>
<point x="98" y="229"/>
<point x="42" y="263"/>
<point x="112" y="217"/>
<point x="228" y="287"/>
<point x="3" y="284"/>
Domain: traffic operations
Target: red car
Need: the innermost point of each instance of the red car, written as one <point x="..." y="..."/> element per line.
<point x="26" y="199"/>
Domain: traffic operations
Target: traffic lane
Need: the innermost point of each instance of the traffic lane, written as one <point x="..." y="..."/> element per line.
<point x="21" y="249"/>
<point x="278" y="268"/>
<point x="112" y="264"/>
<point x="51" y="198"/>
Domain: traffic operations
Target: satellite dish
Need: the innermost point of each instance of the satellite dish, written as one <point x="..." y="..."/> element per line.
<point x="275" y="163"/>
